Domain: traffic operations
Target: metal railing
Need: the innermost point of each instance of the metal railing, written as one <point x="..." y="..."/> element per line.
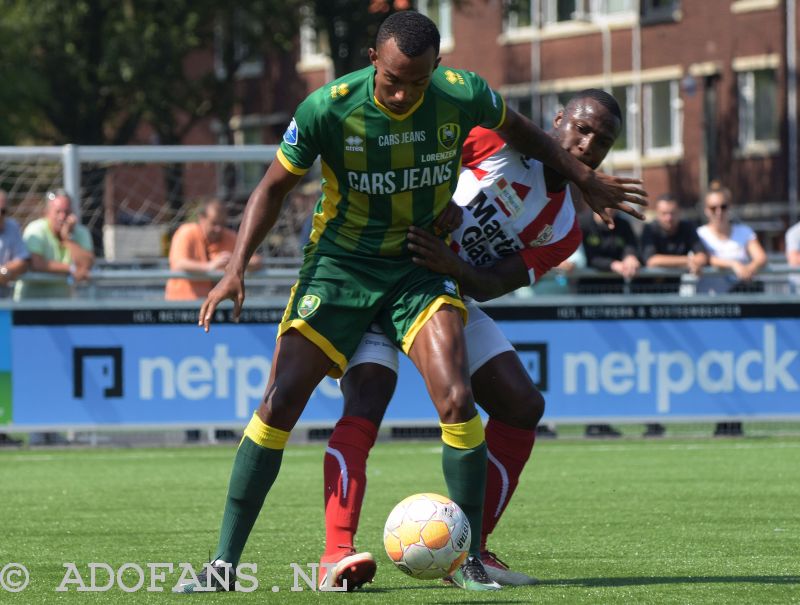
<point x="146" y="281"/>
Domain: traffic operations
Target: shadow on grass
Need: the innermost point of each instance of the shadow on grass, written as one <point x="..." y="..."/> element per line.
<point x="644" y="581"/>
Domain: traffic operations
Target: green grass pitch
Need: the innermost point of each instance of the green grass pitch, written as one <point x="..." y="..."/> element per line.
<point x="629" y="521"/>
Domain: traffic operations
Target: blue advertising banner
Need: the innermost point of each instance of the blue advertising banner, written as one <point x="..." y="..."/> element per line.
<point x="5" y="367"/>
<point x="89" y="368"/>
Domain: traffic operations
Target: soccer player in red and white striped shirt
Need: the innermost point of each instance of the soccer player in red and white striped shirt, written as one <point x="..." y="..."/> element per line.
<point x="518" y="223"/>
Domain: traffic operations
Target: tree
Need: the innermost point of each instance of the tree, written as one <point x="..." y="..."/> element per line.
<point x="92" y="71"/>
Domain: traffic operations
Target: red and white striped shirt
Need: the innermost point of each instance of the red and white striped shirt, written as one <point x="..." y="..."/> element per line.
<point x="508" y="210"/>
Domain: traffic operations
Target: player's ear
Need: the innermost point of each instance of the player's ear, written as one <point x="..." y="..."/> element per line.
<point x="436" y="63"/>
<point x="558" y="119"/>
<point x="373" y="56"/>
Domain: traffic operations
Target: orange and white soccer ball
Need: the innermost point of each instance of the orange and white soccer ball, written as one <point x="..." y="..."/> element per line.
<point x="427" y="536"/>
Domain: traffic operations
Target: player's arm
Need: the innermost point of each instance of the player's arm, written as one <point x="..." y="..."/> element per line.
<point x="600" y="191"/>
<point x="482" y="284"/>
<point x="259" y="216"/>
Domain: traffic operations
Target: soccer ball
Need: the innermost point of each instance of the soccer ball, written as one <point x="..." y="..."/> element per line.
<point x="427" y="536"/>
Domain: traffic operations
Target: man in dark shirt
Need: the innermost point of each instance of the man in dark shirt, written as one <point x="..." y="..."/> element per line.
<point x="671" y="242"/>
<point x="609" y="251"/>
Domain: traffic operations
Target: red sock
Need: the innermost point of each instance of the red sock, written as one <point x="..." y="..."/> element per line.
<point x="345" y="472"/>
<point x="509" y="450"/>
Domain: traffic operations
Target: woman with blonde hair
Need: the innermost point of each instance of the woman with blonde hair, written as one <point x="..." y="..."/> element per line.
<point x="731" y="245"/>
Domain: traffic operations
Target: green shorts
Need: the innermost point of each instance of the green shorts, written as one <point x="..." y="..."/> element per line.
<point x="336" y="298"/>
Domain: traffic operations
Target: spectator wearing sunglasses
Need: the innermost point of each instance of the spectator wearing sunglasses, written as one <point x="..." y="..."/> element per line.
<point x="733" y="246"/>
<point x="730" y="245"/>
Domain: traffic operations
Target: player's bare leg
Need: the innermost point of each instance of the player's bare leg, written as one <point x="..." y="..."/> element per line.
<point x="439" y="352"/>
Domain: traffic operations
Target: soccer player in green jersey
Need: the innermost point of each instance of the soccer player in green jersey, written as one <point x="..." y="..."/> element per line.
<point x="389" y="137"/>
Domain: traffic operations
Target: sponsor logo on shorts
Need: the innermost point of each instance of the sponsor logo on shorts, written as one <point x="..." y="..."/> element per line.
<point x="448" y="134"/>
<point x="290" y="136"/>
<point x="308" y="305"/>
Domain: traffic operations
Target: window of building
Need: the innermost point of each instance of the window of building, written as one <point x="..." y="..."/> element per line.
<point x="439" y="11"/>
<point x="662" y="118"/>
<point x="521" y="103"/>
<point x="314" y="46"/>
<point x="551" y="104"/>
<point x="249" y="65"/>
<point x="558" y="11"/>
<point x="659" y="11"/>
<point x="611" y="7"/>
<point x="248" y="174"/>
<point x="758" y="107"/>
<point x="627" y="105"/>
<point x="517" y="14"/>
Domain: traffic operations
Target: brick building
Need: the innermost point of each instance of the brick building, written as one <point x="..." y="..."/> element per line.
<point x="703" y="84"/>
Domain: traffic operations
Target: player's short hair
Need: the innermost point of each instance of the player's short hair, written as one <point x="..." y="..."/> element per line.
<point x="413" y="32"/>
<point x="601" y="96"/>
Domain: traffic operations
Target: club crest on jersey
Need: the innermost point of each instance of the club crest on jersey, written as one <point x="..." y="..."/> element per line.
<point x="448" y="134"/>
<point x="545" y="235"/>
<point x="290" y="136"/>
<point x="308" y="305"/>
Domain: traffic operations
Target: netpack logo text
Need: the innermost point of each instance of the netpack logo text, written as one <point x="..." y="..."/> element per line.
<point x="222" y="377"/>
<point x="667" y="373"/>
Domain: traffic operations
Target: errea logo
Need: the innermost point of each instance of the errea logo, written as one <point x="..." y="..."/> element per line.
<point x="354" y="143"/>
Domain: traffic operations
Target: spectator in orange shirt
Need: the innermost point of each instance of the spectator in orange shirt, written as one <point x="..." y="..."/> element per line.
<point x="201" y="247"/>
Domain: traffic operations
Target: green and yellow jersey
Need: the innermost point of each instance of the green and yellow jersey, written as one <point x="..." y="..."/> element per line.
<point x="382" y="172"/>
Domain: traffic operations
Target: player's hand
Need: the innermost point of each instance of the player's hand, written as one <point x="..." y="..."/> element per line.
<point x="432" y="253"/>
<point x="603" y="191"/>
<point x="449" y="220"/>
<point x="230" y="287"/>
